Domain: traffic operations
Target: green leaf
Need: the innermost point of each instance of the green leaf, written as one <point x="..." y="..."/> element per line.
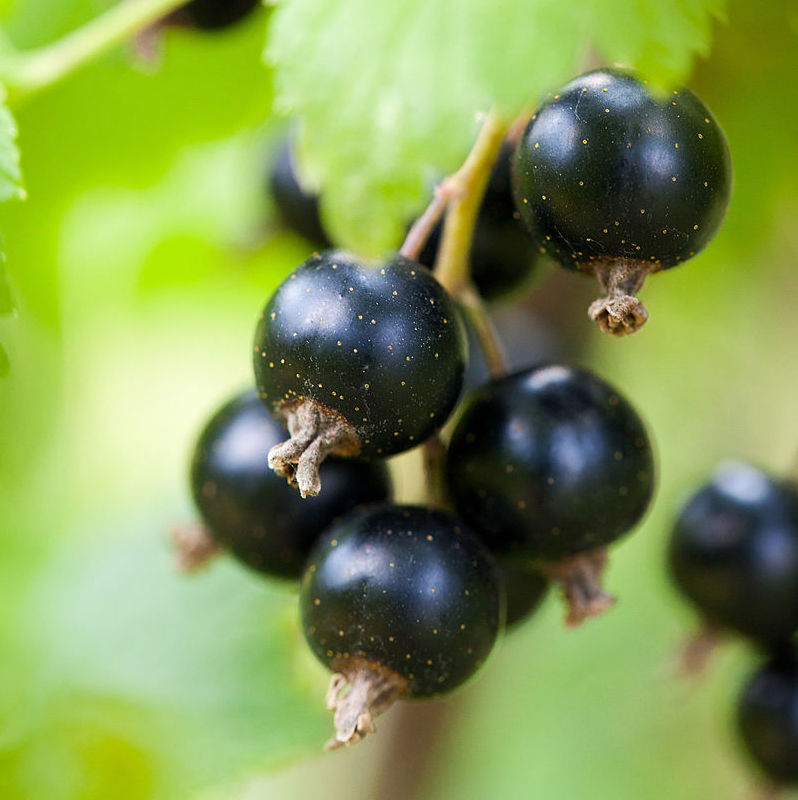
<point x="202" y="676"/>
<point x="389" y="93"/>
<point x="5" y="364"/>
<point x="660" y="40"/>
<point x="10" y="174"/>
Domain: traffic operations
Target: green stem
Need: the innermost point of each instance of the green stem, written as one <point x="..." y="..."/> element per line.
<point x="487" y="336"/>
<point x="25" y="72"/>
<point x="467" y="188"/>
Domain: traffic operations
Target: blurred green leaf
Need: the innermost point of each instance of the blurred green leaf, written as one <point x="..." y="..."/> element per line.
<point x="215" y="662"/>
<point x="5" y="365"/>
<point x="409" y="77"/>
<point x="659" y="39"/>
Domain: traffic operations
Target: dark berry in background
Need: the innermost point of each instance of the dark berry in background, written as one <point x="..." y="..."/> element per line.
<point x="297" y="208"/>
<point x="214" y="14"/>
<point x="525" y="590"/>
<point x="360" y="359"/>
<point x="502" y="256"/>
<point x="618" y="181"/>
<point x="734" y="552"/>
<point x="526" y="338"/>
<point x="767" y="716"/>
<point x="548" y="464"/>
<point x="252" y="512"/>
<point x="398" y="601"/>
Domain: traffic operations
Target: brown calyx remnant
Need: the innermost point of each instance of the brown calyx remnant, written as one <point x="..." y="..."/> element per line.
<point x="619" y="312"/>
<point x="194" y="547"/>
<point x="697" y="651"/>
<point x="360" y="691"/>
<point x="316" y="432"/>
<point x="579" y="578"/>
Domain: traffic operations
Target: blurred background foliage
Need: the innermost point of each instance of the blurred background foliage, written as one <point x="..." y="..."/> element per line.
<point x="138" y="264"/>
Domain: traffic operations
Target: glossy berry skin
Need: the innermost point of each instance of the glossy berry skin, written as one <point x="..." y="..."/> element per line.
<point x="502" y="256"/>
<point x="383" y="347"/>
<point x="298" y="209"/>
<point x="549" y="462"/>
<point x="216" y="14"/>
<point x="767" y="718"/>
<point x="252" y="512"/>
<point x="734" y="552"/>
<point x="608" y="170"/>
<point x="407" y="588"/>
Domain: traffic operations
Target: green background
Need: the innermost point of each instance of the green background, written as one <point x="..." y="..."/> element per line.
<point x="139" y="263"/>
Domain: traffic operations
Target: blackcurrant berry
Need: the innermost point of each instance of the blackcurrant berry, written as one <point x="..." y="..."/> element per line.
<point x="214" y="14"/>
<point x="502" y="256"/>
<point x="619" y="182"/>
<point x="398" y="601"/>
<point x="359" y="359"/>
<point x="734" y="552"/>
<point x="767" y="717"/>
<point x="550" y="465"/>
<point x="253" y="513"/>
<point x="298" y="208"/>
<point x="524" y="588"/>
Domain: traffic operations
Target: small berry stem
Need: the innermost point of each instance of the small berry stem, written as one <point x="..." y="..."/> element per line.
<point x="435" y="485"/>
<point x="422" y="228"/>
<point x="487" y="336"/>
<point x="468" y="188"/>
<point x="25" y="72"/>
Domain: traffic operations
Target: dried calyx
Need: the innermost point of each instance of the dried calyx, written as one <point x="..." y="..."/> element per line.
<point x="316" y="432"/>
<point x="358" y="692"/>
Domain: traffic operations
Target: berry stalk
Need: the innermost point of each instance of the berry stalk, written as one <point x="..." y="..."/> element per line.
<point x="467" y="187"/>
<point x="25" y="72"/>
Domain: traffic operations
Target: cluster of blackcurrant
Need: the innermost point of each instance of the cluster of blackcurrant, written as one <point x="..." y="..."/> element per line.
<point x="734" y="555"/>
<point x="363" y="360"/>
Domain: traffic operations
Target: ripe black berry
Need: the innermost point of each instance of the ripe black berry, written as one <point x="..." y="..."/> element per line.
<point x="524" y="588"/>
<point x="399" y="601"/>
<point x="215" y="14"/>
<point x="502" y="257"/>
<point x="734" y="553"/>
<point x="358" y="359"/>
<point x="298" y="209"/>
<point x="767" y="717"/>
<point x="619" y="183"/>
<point x="253" y="513"/>
<point x="550" y="465"/>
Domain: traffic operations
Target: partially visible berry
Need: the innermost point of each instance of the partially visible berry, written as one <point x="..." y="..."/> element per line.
<point x="298" y="208"/>
<point x="619" y="182"/>
<point x="767" y="716"/>
<point x="525" y="589"/>
<point x="734" y="553"/>
<point x="359" y="359"/>
<point x="214" y="15"/>
<point x="502" y="256"/>
<point x="398" y="601"/>
<point x="250" y="511"/>
<point x="550" y="465"/>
